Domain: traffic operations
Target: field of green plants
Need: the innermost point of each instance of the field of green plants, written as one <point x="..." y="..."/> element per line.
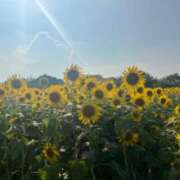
<point x="89" y="129"/>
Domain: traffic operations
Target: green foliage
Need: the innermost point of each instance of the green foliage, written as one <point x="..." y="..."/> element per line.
<point x="86" y="153"/>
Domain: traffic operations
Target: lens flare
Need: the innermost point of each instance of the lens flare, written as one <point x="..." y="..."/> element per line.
<point x="53" y="22"/>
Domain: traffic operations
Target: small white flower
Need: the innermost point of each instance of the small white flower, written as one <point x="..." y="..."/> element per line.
<point x="62" y="150"/>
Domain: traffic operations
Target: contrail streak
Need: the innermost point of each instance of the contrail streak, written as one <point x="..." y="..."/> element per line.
<point x="44" y="33"/>
<point x="54" y="23"/>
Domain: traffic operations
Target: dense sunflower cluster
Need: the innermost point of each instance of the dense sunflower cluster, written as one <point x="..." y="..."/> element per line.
<point x="88" y="92"/>
<point x="135" y="116"/>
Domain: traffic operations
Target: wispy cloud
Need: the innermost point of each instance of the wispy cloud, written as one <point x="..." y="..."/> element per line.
<point x="21" y="52"/>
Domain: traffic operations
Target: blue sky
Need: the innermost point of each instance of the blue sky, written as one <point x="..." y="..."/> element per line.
<point x="102" y="36"/>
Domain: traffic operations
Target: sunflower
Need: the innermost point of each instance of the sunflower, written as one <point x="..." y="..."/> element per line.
<point x="164" y="101"/>
<point x="72" y="74"/>
<point x="129" y="138"/>
<point x="110" y="88"/>
<point x="55" y="95"/>
<point x="37" y="92"/>
<point x="15" y="84"/>
<point x="89" y="113"/>
<point x="140" y="101"/>
<point x="133" y="77"/>
<point x="50" y="153"/>
<point x="99" y="93"/>
<point x="149" y="93"/>
<point x="116" y="101"/>
<point x="90" y="83"/>
<point x="177" y="110"/>
<point x="136" y="116"/>
<point x="21" y="99"/>
<point x="30" y="96"/>
<point x="158" y="91"/>
<point x="140" y="89"/>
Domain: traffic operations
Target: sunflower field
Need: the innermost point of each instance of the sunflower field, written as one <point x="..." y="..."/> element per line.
<point x="89" y="129"/>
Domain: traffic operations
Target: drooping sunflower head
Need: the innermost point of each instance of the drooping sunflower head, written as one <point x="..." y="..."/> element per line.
<point x="133" y="77"/>
<point x="129" y="138"/>
<point x="72" y="74"/>
<point x="89" y="113"/>
<point x="50" y="153"/>
<point x="55" y="96"/>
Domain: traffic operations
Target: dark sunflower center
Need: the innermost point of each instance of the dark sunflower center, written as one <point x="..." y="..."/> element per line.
<point x="81" y="98"/>
<point x="21" y="99"/>
<point x="99" y="94"/>
<point x="149" y="93"/>
<point x="159" y="91"/>
<point x="116" y="102"/>
<point x="132" y="79"/>
<point x="179" y="110"/>
<point x="129" y="136"/>
<point x="50" y="152"/>
<point x="109" y="86"/>
<point x="1" y="92"/>
<point x="163" y="100"/>
<point x="16" y="84"/>
<point x="28" y="96"/>
<point x="90" y="85"/>
<point x="73" y="75"/>
<point x="55" y="97"/>
<point x="140" y="90"/>
<point x="139" y="102"/>
<point x="36" y="92"/>
<point x="88" y="111"/>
